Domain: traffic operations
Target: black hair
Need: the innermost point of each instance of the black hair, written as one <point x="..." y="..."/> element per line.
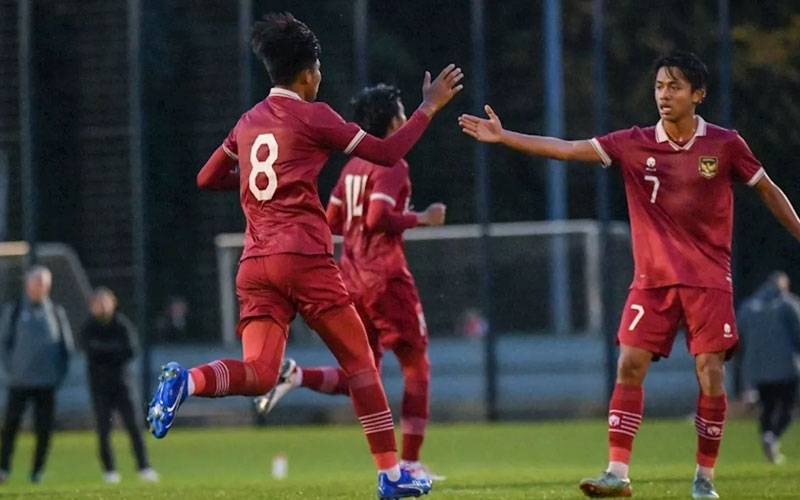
<point x="285" y="45"/>
<point x="375" y="107"/>
<point x="690" y="65"/>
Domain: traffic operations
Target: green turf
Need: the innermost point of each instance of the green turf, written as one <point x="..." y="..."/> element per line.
<point x="505" y="461"/>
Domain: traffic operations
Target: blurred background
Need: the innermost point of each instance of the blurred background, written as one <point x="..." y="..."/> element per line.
<point x="108" y="109"/>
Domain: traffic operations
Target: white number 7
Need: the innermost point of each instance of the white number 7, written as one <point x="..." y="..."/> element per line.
<point x="639" y="313"/>
<point x="656" y="183"/>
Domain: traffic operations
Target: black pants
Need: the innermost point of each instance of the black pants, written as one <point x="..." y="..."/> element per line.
<point x="44" y="409"/>
<point x="107" y="399"/>
<point x="777" y="402"/>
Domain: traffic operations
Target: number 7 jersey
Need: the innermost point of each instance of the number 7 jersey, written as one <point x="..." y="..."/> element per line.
<point x="680" y="201"/>
<point x="281" y="145"/>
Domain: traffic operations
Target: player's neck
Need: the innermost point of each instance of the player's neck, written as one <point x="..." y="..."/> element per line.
<point x="296" y="88"/>
<point x="683" y="130"/>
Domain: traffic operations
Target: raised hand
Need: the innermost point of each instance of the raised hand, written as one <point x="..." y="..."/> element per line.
<point x="436" y="94"/>
<point x="484" y="130"/>
<point x="433" y="215"/>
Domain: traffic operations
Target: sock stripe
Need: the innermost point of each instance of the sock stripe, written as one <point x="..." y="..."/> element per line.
<point x="626" y="413"/>
<point x="377" y="423"/>
<point x="712" y="422"/>
<point x="375" y="416"/>
<point x="222" y="376"/>
<point x="389" y="427"/>
<point x="632" y="434"/>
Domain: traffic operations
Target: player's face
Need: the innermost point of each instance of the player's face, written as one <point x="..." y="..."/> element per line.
<point x="399" y="120"/>
<point x="314" y="79"/>
<point x="674" y="96"/>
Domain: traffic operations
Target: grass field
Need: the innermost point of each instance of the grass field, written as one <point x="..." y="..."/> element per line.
<point x="505" y="461"/>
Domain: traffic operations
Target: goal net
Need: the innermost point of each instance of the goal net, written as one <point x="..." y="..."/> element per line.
<point x="542" y="275"/>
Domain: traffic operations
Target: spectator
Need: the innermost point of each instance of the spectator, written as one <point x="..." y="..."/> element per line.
<point x="109" y="340"/>
<point x="35" y="342"/>
<point x="173" y="324"/>
<point x="769" y="328"/>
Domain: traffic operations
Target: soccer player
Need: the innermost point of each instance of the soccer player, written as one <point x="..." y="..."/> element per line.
<point x="280" y="145"/>
<point x="678" y="176"/>
<point x="370" y="207"/>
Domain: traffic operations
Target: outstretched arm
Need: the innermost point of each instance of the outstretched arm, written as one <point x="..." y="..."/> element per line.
<point x="491" y="130"/>
<point x="779" y="205"/>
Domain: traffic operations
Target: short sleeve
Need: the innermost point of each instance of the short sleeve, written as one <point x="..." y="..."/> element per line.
<point x="609" y="147"/>
<point x="230" y="145"/>
<point x="388" y="183"/>
<point x="746" y="167"/>
<point x="332" y="132"/>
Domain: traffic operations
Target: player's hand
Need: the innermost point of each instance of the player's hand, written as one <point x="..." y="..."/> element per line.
<point x="433" y="215"/>
<point x="484" y="130"/>
<point x="439" y="92"/>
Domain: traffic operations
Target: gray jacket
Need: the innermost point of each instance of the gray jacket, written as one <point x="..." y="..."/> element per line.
<point x="35" y="349"/>
<point x="769" y="329"/>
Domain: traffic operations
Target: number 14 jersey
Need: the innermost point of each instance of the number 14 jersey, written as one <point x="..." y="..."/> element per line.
<point x="281" y="145"/>
<point x="680" y="201"/>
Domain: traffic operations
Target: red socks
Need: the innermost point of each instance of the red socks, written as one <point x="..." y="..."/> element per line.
<point x="709" y="423"/>
<point x="624" y="418"/>
<point x="325" y="379"/>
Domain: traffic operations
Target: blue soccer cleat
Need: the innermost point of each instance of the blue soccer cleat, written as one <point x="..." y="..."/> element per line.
<point x="406" y="486"/>
<point x="172" y="390"/>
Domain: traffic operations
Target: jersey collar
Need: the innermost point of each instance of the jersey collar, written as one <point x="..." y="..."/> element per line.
<point x="275" y="91"/>
<point x="662" y="136"/>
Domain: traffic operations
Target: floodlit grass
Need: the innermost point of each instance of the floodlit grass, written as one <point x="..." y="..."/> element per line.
<point x="504" y="461"/>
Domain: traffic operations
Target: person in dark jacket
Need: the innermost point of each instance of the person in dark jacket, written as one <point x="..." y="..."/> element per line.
<point x="769" y="329"/>
<point x="35" y="342"/>
<point x="109" y="340"/>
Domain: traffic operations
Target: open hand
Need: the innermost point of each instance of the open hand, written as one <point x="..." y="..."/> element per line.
<point x="484" y="130"/>
<point x="436" y="94"/>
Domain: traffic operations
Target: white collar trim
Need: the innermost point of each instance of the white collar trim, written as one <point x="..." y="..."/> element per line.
<point x="284" y="93"/>
<point x="662" y="136"/>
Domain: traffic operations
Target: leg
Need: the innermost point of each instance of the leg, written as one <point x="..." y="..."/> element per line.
<point x="130" y="419"/>
<point x="263" y="343"/>
<point x="786" y="398"/>
<point x="767" y="401"/>
<point x="102" y="413"/>
<point x="16" y="407"/>
<point x="626" y="407"/>
<point x="711" y="408"/>
<point x="344" y="334"/>
<point x="43" y="423"/>
<point x="416" y="398"/>
<point x="324" y="379"/>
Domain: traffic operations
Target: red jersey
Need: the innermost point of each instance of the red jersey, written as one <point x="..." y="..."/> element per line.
<point x="680" y="201"/>
<point x="371" y="257"/>
<point x="281" y="145"/>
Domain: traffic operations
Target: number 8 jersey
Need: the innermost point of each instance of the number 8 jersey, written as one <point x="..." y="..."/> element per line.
<point x="680" y="201"/>
<point x="281" y="145"/>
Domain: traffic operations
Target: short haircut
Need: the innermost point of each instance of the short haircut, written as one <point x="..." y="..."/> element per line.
<point x="103" y="291"/>
<point x="39" y="272"/>
<point x="375" y="107"/>
<point x="285" y="45"/>
<point x="690" y="65"/>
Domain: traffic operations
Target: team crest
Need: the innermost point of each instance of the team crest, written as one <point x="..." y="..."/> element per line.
<point x="708" y="166"/>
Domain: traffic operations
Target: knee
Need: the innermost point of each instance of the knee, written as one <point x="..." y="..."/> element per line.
<point x="711" y="376"/>
<point x="266" y="376"/>
<point x="631" y="370"/>
<point x="416" y="366"/>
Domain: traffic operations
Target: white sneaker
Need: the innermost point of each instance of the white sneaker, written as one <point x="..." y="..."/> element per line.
<point x="287" y="380"/>
<point x="112" y="477"/>
<point x="148" y="475"/>
<point x="418" y="470"/>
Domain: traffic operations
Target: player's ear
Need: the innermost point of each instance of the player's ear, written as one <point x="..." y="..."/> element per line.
<point x="698" y="96"/>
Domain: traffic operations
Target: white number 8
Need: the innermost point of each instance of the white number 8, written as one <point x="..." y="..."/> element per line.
<point x="264" y="167"/>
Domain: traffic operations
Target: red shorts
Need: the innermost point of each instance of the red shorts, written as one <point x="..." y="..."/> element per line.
<point x="652" y="317"/>
<point x="392" y="316"/>
<point x="281" y="285"/>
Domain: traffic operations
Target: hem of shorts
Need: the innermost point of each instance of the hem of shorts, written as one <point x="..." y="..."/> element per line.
<point x="289" y="252"/>
<point x="728" y="288"/>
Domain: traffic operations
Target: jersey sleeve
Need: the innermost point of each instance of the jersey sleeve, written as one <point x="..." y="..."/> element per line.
<point x="388" y="183"/>
<point x="746" y="167"/>
<point x="230" y="146"/>
<point x="610" y="146"/>
<point x="332" y="132"/>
